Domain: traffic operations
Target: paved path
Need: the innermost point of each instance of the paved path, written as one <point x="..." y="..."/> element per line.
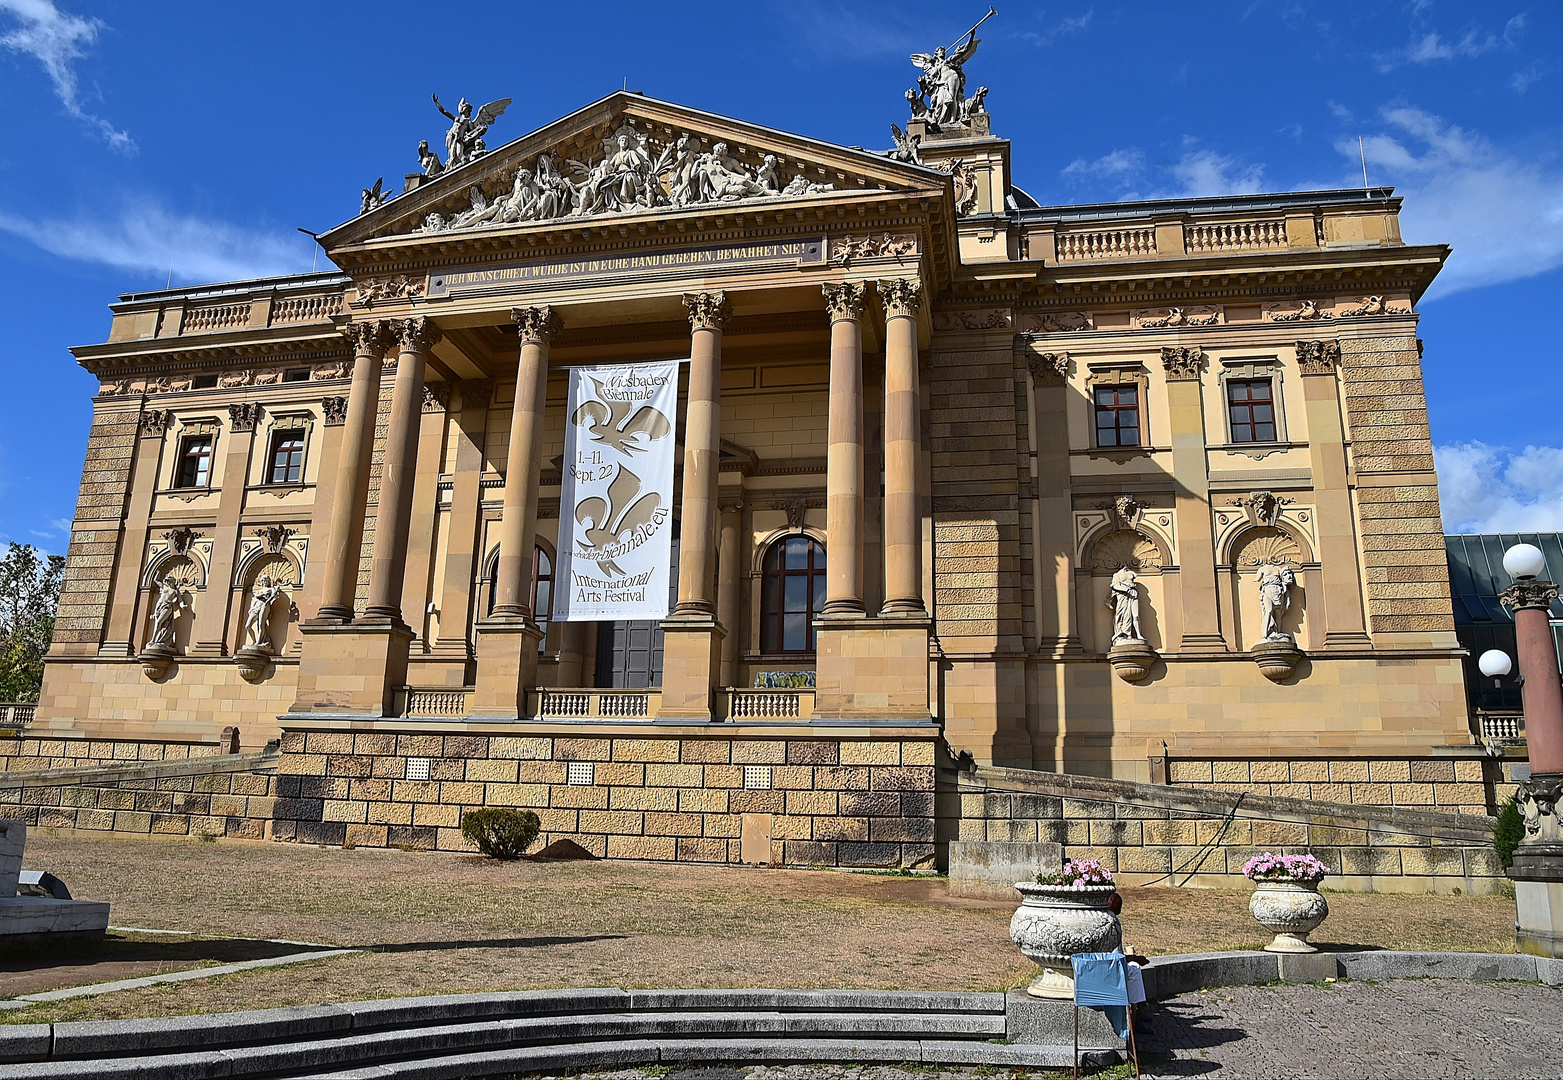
<point x="1407" y="1028"/>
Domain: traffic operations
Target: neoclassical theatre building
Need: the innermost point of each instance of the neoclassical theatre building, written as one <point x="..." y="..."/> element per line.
<point x="1138" y="490"/>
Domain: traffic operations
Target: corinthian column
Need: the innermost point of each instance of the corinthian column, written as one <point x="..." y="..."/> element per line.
<point x="903" y="408"/>
<point x="350" y="496"/>
<point x="414" y="339"/>
<point x="702" y="455"/>
<point x="691" y="635"/>
<point x="844" y="461"/>
<point x="535" y="326"/>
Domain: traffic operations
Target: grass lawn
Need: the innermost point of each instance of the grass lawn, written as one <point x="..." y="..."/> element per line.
<point x="443" y="923"/>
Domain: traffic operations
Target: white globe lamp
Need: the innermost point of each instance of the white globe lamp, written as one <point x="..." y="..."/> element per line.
<point x="1524" y="561"/>
<point x="1495" y="663"/>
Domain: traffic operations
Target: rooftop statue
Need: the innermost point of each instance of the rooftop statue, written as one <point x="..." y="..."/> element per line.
<point x="373" y="198"/>
<point x="906" y="146"/>
<point x="939" y="98"/>
<point x="464" y="140"/>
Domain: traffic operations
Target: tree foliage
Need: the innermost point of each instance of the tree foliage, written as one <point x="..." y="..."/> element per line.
<point x="29" y="595"/>
<point x="1508" y="831"/>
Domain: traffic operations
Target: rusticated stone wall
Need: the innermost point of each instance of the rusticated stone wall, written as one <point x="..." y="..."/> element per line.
<point x="1403" y="552"/>
<point x="830" y="801"/>
<point x="89" y="559"/>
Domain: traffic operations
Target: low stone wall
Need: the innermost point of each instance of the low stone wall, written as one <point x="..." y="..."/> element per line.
<point x="231" y="795"/>
<point x="24" y="752"/>
<point x="1174" y="835"/>
<point x="1463" y="784"/>
<point x="812" y="801"/>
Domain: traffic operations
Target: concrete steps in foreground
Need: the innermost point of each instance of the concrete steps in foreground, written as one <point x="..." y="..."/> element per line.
<point x="495" y="1034"/>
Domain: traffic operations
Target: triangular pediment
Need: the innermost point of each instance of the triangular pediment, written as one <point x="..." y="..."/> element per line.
<point x="629" y="156"/>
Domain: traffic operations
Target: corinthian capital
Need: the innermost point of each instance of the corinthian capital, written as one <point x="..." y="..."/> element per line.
<point x="843" y="301"/>
<point x="1318" y="357"/>
<point x="1048" y="366"/>
<point x="538" y="324"/>
<point x="707" y="311"/>
<point x="901" y="296"/>
<point x="1183" y="362"/>
<point x="369" y="337"/>
<point x="1529" y="593"/>
<point x="416" y="335"/>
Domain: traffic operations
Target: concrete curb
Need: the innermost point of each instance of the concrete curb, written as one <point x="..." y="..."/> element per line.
<point x="475" y="1035"/>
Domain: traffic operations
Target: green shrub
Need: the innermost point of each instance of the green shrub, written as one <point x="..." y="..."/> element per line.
<point x="1508" y="832"/>
<point x="500" y="833"/>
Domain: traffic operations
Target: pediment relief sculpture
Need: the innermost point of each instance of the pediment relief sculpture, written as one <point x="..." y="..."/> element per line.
<point x="1054" y="322"/>
<point x="629" y="172"/>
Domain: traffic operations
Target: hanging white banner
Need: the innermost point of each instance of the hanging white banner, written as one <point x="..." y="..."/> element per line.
<point x="616" y="504"/>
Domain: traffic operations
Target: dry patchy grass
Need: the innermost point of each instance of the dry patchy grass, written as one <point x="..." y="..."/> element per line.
<point x="442" y="923"/>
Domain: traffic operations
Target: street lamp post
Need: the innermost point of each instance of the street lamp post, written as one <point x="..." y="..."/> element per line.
<point x="1538" y="860"/>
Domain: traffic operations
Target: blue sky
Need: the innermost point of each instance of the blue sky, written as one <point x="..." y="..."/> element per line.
<point x="145" y="141"/>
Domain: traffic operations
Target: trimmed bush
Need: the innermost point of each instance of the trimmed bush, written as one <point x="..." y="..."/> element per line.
<point x="499" y="832"/>
<point x="1508" y="832"/>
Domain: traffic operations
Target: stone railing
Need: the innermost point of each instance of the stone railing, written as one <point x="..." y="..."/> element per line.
<point x="1235" y="236"/>
<point x="1503" y="727"/>
<point x="1097" y="244"/>
<point x="447" y="701"/>
<point x="16" y="714"/>
<point x="216" y="317"/>
<point x="578" y="703"/>
<point x="306" y="308"/>
<point x="746" y="704"/>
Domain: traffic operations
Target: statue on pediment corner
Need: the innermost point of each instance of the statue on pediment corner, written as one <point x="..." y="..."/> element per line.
<point x="464" y="140"/>
<point x="943" y="81"/>
<point x="428" y="160"/>
<point x="907" y="147"/>
<point x="373" y="198"/>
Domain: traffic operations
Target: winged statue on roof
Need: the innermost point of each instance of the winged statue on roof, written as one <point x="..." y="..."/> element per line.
<point x="464" y="140"/>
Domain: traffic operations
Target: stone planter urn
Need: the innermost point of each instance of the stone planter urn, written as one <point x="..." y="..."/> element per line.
<point x="1291" y="911"/>
<point x="1054" y="922"/>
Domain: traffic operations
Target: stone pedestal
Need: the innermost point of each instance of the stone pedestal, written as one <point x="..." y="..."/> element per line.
<point x="506" y="668"/>
<point x="354" y="668"/>
<point x="1033" y="1021"/>
<point x="251" y="662"/>
<point x="1277" y="659"/>
<point x="1132" y="660"/>
<point x="872" y="669"/>
<point x="691" y="662"/>
<point x="30" y="915"/>
<point x="156" y="660"/>
<point x="1538" y="868"/>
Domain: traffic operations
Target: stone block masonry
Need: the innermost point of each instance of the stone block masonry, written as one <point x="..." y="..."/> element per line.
<point x="824" y="800"/>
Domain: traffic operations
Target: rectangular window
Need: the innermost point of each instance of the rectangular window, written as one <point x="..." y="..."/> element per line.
<point x="1118" y="415"/>
<point x="298" y="374"/>
<point x="203" y="382"/>
<point x="1251" y="405"/>
<point x="287" y="458"/>
<point x="195" y="462"/>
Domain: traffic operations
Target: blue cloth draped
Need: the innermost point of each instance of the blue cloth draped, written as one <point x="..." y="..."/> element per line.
<point x="1102" y="983"/>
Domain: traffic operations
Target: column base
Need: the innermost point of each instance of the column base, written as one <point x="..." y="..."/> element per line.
<point x="506" y="668"/>
<point x="1350" y="640"/>
<point x="872" y="669"/>
<point x="1203" y="643"/>
<point x="1057" y="648"/>
<point x="691" y="663"/>
<point x="356" y="667"/>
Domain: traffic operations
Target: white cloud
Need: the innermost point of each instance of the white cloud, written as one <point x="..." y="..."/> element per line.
<point x="1119" y="163"/>
<point x="1070" y="25"/>
<point x="1521" y="80"/>
<point x="1205" y="172"/>
<point x="146" y="238"/>
<point x="1503" y="215"/>
<point x="55" y="40"/>
<point x="1489" y="489"/>
<point x="1427" y="47"/>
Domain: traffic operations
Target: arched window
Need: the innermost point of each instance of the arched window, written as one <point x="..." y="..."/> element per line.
<point x="792" y="594"/>
<point x="542" y="589"/>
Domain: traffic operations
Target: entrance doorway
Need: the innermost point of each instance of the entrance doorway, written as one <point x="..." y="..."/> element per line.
<point x="629" y="654"/>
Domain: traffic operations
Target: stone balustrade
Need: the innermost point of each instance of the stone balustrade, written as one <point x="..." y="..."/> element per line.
<point x="214" y="317"/>
<point x="437" y="701"/>
<point x="1235" y="236"/>
<point x="594" y="704"/>
<point x="1110" y="243"/>
<point x="296" y="309"/>
<point x="745" y="704"/>
<point x="16" y="714"/>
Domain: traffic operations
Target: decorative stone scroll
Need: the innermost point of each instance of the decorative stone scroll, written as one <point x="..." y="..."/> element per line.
<point x="1299" y="311"/>
<point x="1159" y="318"/>
<point x="1318" y="357"/>
<point x="848" y="248"/>
<point x="1048" y="366"/>
<point x="1183" y="362"/>
<point x="844" y="300"/>
<point x="1373" y="305"/>
<point x="335" y="410"/>
<point x="987" y="319"/>
<point x="180" y="539"/>
<point x="1057" y="322"/>
<point x="274" y="537"/>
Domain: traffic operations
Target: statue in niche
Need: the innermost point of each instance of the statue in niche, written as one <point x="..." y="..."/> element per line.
<point x="1275" y="587"/>
<point x="257" y="623"/>
<point x="170" y="602"/>
<point x="1123" y="596"/>
<point x="464" y="140"/>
